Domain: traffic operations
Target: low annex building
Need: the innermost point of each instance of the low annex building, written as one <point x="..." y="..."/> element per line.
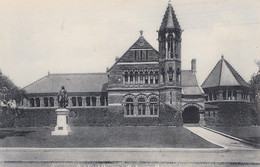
<point x="144" y="86"/>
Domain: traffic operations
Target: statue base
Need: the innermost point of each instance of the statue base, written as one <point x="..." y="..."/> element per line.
<point x="62" y="128"/>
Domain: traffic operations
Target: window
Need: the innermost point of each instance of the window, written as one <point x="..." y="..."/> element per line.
<point x="88" y="101"/>
<point x="136" y="77"/>
<point x="102" y="101"/>
<point x="156" y="77"/>
<point x="94" y="101"/>
<point x="151" y="77"/>
<point x="37" y="100"/>
<point x="79" y="101"/>
<point x="170" y="74"/>
<point x="229" y="95"/>
<point x="146" y="54"/>
<point x="153" y="106"/>
<point x="135" y="55"/>
<point x="210" y="96"/>
<point x="131" y="77"/>
<point x="46" y="102"/>
<point x="163" y="75"/>
<point x="235" y="95"/>
<point x="146" y="78"/>
<point x="32" y="102"/>
<point x="74" y="103"/>
<point x="129" y="106"/>
<point x="51" y="101"/>
<point x="141" y="77"/>
<point x="224" y="95"/>
<point x="141" y="53"/>
<point x="126" y="77"/>
<point x="141" y="106"/>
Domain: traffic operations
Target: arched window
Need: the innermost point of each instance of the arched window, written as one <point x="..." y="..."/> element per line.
<point x="151" y="77"/>
<point x="131" y="77"/>
<point x="37" y="100"/>
<point x="73" y="99"/>
<point x="170" y="74"/>
<point x="141" y="77"/>
<point x="146" y="78"/>
<point x="156" y="77"/>
<point x="126" y="77"/>
<point x="46" y="102"/>
<point x="129" y="106"/>
<point x="224" y="95"/>
<point x="153" y="106"/>
<point x="79" y="101"/>
<point x="178" y="75"/>
<point x="51" y="101"/>
<point x="136" y="77"/>
<point x="141" y="106"/>
<point x="32" y="102"/>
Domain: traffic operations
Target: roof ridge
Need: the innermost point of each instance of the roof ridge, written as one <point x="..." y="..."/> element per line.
<point x="77" y="73"/>
<point x="235" y="74"/>
<point x="220" y="74"/>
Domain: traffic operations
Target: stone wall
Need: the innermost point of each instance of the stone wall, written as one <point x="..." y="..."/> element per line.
<point x="230" y="114"/>
<point x="111" y="116"/>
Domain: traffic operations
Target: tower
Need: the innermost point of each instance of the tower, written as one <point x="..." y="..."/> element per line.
<point x="169" y="37"/>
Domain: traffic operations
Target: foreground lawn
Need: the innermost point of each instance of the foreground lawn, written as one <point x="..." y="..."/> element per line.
<point x="172" y="137"/>
<point x="249" y="133"/>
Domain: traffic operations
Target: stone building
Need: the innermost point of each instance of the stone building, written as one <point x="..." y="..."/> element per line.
<point x="144" y="85"/>
<point x="230" y="93"/>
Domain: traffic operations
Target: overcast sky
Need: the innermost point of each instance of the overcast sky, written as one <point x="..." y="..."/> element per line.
<point x="85" y="36"/>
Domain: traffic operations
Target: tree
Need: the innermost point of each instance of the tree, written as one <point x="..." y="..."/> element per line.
<point x="255" y="94"/>
<point x="9" y="91"/>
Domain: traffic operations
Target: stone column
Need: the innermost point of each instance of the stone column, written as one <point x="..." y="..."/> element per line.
<point x="90" y="100"/>
<point x="49" y="102"/>
<point x="83" y="101"/>
<point x="148" y="79"/>
<point x="147" y="111"/>
<point x="139" y="81"/>
<point x="56" y="103"/>
<point x="135" y="109"/>
<point x="41" y="102"/>
<point x="77" y="102"/>
<point x="98" y="101"/>
<point x="129" y="78"/>
<point x="220" y="94"/>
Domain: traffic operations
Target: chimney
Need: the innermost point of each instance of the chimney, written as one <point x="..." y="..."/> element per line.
<point x="193" y="65"/>
<point x="116" y="59"/>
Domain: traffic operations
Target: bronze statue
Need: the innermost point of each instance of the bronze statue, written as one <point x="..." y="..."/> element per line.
<point x="63" y="98"/>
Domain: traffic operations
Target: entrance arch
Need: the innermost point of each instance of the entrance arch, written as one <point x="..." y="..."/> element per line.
<point x="191" y="114"/>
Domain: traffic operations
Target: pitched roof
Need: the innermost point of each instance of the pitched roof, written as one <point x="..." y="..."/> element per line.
<point x="223" y="74"/>
<point x="170" y="20"/>
<point x="190" y="85"/>
<point x="141" y="43"/>
<point x="91" y="82"/>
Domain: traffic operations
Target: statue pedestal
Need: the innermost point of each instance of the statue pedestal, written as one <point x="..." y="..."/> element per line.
<point x="62" y="128"/>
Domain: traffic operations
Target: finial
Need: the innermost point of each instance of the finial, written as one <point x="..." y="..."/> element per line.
<point x="170" y="2"/>
<point x="222" y="56"/>
<point x="141" y="33"/>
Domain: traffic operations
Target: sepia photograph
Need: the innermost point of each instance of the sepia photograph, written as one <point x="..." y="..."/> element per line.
<point x="129" y="83"/>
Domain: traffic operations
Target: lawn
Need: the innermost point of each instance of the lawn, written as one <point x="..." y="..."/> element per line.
<point x="156" y="137"/>
<point x="249" y="133"/>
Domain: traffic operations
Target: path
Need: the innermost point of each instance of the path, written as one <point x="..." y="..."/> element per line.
<point x="219" y="139"/>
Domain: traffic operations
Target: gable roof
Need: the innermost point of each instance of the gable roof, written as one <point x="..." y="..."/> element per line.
<point x="91" y="82"/>
<point x="170" y="20"/>
<point x="190" y="85"/>
<point x="223" y="74"/>
<point x="136" y="45"/>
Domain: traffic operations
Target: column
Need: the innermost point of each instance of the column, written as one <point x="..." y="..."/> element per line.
<point x="135" y="109"/>
<point x="98" y="101"/>
<point x="154" y="79"/>
<point x="220" y="94"/>
<point x="41" y="102"/>
<point x="34" y="100"/>
<point x="77" y="102"/>
<point x="90" y="100"/>
<point x="56" y="103"/>
<point x="49" y="102"/>
<point x="133" y="78"/>
<point x="129" y="78"/>
<point x="83" y="101"/>
<point x="147" y="111"/>
<point x="139" y="80"/>
<point x="148" y="79"/>
<point x="105" y="101"/>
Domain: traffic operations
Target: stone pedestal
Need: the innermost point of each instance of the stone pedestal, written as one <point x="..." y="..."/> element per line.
<point x="62" y="128"/>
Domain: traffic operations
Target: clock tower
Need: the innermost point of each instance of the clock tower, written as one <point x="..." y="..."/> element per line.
<point x="169" y="37"/>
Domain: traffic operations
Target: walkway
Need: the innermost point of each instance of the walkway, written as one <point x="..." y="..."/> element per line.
<point x="219" y="139"/>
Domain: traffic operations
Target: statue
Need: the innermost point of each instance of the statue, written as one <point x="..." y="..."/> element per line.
<point x="63" y="98"/>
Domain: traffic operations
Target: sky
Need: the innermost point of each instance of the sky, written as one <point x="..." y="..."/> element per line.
<point x="85" y="36"/>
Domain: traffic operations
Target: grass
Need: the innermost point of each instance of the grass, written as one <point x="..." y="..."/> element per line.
<point x="249" y="133"/>
<point x="156" y="137"/>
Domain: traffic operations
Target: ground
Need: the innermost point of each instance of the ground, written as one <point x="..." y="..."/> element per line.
<point x="156" y="137"/>
<point x="249" y="133"/>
